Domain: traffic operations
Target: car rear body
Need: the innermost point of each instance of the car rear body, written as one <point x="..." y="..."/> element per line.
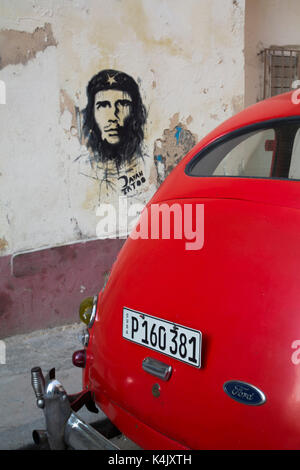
<point x="237" y="292"/>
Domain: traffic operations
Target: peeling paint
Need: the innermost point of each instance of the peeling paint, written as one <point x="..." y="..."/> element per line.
<point x="174" y="66"/>
<point x="177" y="133"/>
<point x="189" y="120"/>
<point x="176" y="142"/>
<point x="67" y="107"/>
<point x="18" y="47"/>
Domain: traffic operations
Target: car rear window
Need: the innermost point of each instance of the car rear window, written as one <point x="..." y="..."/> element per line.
<point x="271" y="151"/>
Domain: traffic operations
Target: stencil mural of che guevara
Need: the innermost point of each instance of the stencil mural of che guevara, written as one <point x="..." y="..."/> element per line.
<point x="113" y="128"/>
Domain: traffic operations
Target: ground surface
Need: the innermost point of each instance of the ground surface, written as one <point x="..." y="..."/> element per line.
<point x="19" y="415"/>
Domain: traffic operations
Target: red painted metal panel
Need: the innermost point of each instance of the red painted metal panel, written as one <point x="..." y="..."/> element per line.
<point x="241" y="290"/>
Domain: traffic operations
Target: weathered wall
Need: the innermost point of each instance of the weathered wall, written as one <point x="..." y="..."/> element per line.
<point x="185" y="59"/>
<point x="267" y="23"/>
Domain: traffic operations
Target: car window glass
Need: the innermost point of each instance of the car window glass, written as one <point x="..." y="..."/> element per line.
<point x="252" y="157"/>
<point x="294" y="172"/>
<point x="272" y="152"/>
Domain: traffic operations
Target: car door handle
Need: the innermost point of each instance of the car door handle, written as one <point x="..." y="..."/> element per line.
<point x="157" y="368"/>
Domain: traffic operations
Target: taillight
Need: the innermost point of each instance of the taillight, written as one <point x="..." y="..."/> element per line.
<point x="79" y="358"/>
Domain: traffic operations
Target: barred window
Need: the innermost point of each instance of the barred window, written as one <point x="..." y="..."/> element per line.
<point x="281" y="69"/>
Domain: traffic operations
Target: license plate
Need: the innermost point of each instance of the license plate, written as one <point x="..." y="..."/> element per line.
<point x="168" y="338"/>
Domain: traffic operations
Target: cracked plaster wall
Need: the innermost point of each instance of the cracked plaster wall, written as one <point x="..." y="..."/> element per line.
<point x="187" y="58"/>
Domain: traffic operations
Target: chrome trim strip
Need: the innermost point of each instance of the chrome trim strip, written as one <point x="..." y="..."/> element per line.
<point x="94" y="310"/>
<point x="85" y="337"/>
<point x="81" y="436"/>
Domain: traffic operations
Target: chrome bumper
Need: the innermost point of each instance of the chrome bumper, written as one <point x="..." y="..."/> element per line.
<point x="64" y="428"/>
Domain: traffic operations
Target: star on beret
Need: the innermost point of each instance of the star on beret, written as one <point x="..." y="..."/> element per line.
<point x="111" y="80"/>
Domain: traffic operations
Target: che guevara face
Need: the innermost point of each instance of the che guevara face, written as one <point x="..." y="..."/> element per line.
<point x="111" y="110"/>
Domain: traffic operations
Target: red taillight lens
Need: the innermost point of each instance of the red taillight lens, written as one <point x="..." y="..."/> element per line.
<point x="79" y="358"/>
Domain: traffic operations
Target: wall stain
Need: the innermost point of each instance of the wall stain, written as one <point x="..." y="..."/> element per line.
<point x="5" y="303"/>
<point x="66" y="253"/>
<point x="9" y="286"/>
<point x="18" y="47"/>
<point x="139" y="22"/>
<point x="237" y="103"/>
<point x="92" y="197"/>
<point x="3" y="244"/>
<point x="77" y="231"/>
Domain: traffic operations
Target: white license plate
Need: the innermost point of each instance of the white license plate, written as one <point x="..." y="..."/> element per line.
<point x="168" y="338"/>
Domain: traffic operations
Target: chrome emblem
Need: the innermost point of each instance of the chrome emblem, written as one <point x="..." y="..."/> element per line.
<point x="244" y="393"/>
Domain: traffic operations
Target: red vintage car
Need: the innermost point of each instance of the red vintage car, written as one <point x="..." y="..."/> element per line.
<point x="194" y="342"/>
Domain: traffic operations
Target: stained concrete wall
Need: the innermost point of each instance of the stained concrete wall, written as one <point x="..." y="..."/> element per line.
<point x="186" y="60"/>
<point x="267" y="23"/>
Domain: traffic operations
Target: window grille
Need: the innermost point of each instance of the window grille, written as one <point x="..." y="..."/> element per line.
<point x="281" y="69"/>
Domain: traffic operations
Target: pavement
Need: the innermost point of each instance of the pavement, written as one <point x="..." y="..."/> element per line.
<point x="48" y="348"/>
